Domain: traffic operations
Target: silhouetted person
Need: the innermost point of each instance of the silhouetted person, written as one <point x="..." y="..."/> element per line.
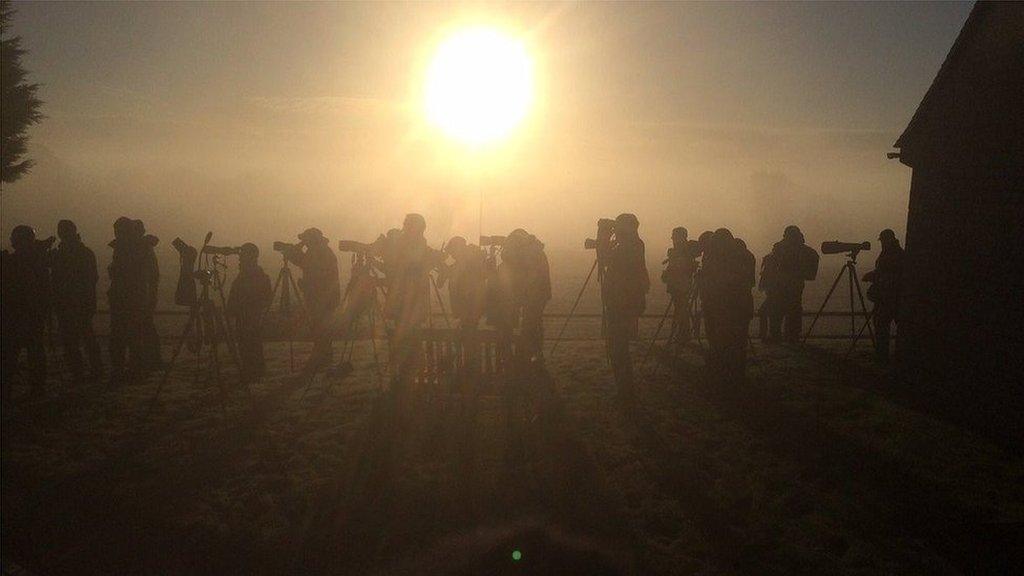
<point x="885" y="290"/>
<point x="465" y="279"/>
<point x="792" y="263"/>
<point x="764" y="284"/>
<point x="248" y="300"/>
<point x="728" y="270"/>
<point x="624" y="289"/>
<point x="74" y="276"/>
<point x="321" y="289"/>
<point x="387" y="251"/>
<point x="526" y="279"/>
<point x="680" y="267"/>
<point x="407" y="263"/>
<point x="699" y="313"/>
<point x="133" y="283"/>
<point x="467" y="291"/>
<point x="150" y="337"/>
<point x="26" y="306"/>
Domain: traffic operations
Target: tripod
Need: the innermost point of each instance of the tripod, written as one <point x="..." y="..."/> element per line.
<point x="657" y="332"/>
<point x="575" y="304"/>
<point x="363" y="275"/>
<point x="205" y="329"/>
<point x="284" y="287"/>
<point x="691" y="317"/>
<point x="849" y="269"/>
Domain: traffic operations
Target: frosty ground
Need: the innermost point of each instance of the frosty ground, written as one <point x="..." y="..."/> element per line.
<point x="815" y="464"/>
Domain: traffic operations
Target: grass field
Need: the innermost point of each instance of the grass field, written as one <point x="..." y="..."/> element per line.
<point x="813" y="465"/>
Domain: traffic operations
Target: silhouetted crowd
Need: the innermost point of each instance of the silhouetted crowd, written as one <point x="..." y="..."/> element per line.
<point x="504" y="283"/>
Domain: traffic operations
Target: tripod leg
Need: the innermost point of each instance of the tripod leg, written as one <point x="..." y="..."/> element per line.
<point x="373" y="347"/>
<point x="864" y="308"/>
<point x="574" y="305"/>
<point x="189" y="324"/>
<point x="440" y="303"/>
<point x="853" y="309"/>
<point x="215" y="369"/>
<point x="295" y="289"/>
<point x="221" y="324"/>
<point x="291" y="331"/>
<point x="853" y="344"/>
<point x="654" y="339"/>
<point x="823" y="304"/>
<point x="696" y="316"/>
<point x="378" y="312"/>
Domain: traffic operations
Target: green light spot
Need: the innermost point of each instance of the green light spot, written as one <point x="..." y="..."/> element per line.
<point x="517" y="555"/>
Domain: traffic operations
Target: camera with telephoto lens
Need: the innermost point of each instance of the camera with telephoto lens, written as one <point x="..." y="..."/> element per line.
<point x="224" y="250"/>
<point x="492" y="240"/>
<point x="45" y="244"/>
<point x="285" y="246"/>
<point x="605" y="229"/>
<point x="182" y="247"/>
<point x="356" y="247"/>
<point x="836" y="247"/>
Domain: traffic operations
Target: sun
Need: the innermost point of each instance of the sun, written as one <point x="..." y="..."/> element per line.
<point x="479" y="85"/>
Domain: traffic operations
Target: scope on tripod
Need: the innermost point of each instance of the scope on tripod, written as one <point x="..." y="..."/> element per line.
<point x="835" y="247"/>
<point x="285" y="246"/>
<point x="223" y="250"/>
<point x="356" y="247"/>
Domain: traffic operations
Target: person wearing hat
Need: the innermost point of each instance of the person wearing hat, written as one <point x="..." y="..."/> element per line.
<point x="321" y="288"/>
<point x="624" y="289"/>
<point x="680" y="267"/>
<point x="792" y="263"/>
<point x="74" y="276"/>
<point x="25" y="295"/>
<point x="884" y="291"/>
<point x="248" y="299"/>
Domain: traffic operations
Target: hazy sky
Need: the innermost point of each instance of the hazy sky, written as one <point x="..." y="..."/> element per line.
<point x="259" y="119"/>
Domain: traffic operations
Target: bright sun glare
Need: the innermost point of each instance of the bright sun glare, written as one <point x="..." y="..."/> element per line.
<point x="479" y="85"/>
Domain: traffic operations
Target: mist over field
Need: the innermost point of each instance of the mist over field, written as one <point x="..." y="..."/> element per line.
<point x="850" y="201"/>
<point x="688" y="114"/>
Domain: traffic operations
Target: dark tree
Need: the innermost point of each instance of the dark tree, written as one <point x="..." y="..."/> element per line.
<point x="19" y="106"/>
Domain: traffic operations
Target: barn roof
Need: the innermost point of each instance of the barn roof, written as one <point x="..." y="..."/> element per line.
<point x="974" y="110"/>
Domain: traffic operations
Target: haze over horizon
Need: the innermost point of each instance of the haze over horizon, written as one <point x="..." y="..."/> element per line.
<point x="258" y="120"/>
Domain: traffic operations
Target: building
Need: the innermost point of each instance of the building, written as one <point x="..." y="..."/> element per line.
<point x="961" y="331"/>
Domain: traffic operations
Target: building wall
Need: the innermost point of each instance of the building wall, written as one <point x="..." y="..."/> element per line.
<point x="962" y="315"/>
